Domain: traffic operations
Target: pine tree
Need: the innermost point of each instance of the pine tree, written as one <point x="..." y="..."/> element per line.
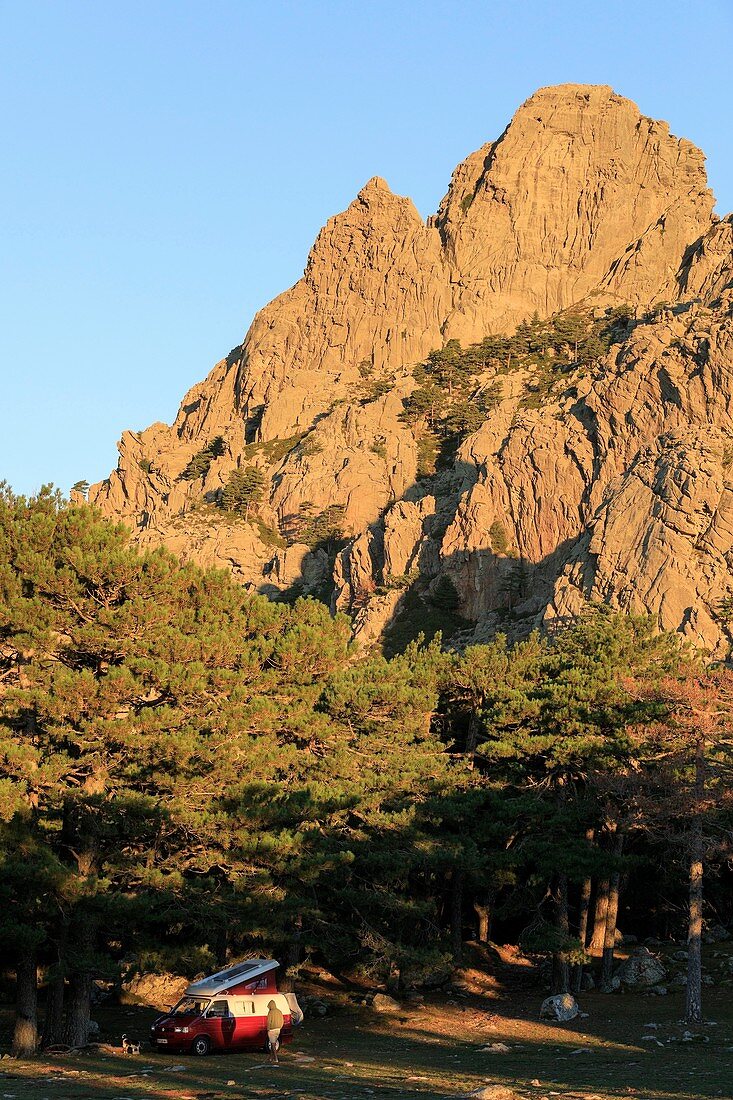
<point x="136" y="692"/>
<point x="244" y="489"/>
<point x="688" y="754"/>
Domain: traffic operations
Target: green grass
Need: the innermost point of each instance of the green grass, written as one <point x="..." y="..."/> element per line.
<point x="432" y="1051"/>
<point x="346" y="1055"/>
<point x="268" y="535"/>
<point x="275" y="449"/>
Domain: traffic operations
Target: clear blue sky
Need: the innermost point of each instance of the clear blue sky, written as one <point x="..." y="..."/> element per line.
<point x="167" y="164"/>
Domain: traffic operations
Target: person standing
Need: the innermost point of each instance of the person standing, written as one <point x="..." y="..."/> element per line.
<point x="275" y="1022"/>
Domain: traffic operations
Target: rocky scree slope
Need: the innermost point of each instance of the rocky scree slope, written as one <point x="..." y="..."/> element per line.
<point x="567" y="475"/>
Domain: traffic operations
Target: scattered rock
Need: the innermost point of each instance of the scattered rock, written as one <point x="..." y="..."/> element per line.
<point x="562" y="1007"/>
<point x="692" y="1037"/>
<point x="642" y="969"/>
<point x="384" y="1003"/>
<point x="494" y="1092"/>
<point x="716" y="933"/>
<point x="496" y="1048"/>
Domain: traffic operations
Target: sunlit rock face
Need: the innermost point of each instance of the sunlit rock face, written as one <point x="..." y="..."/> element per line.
<point x="616" y="489"/>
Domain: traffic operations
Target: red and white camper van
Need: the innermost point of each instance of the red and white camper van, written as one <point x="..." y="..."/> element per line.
<point x="227" y="1011"/>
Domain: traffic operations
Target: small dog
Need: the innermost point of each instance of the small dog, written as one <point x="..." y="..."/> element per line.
<point x="129" y="1047"/>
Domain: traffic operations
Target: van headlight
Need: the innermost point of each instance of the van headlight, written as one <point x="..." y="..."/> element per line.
<point x="181" y="1030"/>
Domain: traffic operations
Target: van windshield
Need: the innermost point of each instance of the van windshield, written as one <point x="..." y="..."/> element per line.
<point x="190" y="1006"/>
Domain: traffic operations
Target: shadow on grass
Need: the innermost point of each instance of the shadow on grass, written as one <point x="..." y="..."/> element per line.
<point x="427" y="1054"/>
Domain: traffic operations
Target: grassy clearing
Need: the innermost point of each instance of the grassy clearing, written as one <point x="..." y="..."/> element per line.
<point x="431" y="1051"/>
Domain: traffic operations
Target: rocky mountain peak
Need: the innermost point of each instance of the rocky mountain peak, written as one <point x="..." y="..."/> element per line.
<point x="572" y="199"/>
<point x="386" y="400"/>
<point x="374" y="187"/>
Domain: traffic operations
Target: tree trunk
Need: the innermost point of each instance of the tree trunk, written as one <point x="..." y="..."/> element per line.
<point x="693" y="991"/>
<point x="295" y="947"/>
<point x="25" y="1030"/>
<point x="599" y="917"/>
<point x="293" y="954"/>
<point x="78" y="1009"/>
<point x="456" y="915"/>
<point x="483" y="912"/>
<point x="473" y="731"/>
<point x="609" y="939"/>
<point x="53" y="1020"/>
<point x="394" y="979"/>
<point x="560" y="967"/>
<point x="583" y="912"/>
<point x="79" y="993"/>
<point x="80" y="838"/>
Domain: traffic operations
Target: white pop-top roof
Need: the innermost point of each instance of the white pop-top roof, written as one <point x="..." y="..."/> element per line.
<point x="245" y="971"/>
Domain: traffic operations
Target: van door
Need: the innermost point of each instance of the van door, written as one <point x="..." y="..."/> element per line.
<point x="221" y="1024"/>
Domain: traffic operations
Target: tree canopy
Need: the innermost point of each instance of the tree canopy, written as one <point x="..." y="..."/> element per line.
<point x="190" y="771"/>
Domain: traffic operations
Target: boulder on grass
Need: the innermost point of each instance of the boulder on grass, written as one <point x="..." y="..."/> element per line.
<point x="384" y="1003"/>
<point x="641" y="970"/>
<point x="562" y="1007"/>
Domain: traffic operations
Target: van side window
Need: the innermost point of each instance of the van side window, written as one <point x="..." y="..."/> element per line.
<point x="218" y="1008"/>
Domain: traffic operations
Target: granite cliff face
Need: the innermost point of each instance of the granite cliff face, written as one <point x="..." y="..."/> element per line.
<point x="604" y="480"/>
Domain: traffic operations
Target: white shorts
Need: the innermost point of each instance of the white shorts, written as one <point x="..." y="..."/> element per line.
<point x="273" y="1038"/>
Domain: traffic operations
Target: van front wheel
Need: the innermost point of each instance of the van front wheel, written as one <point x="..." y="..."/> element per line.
<point x="201" y="1046"/>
